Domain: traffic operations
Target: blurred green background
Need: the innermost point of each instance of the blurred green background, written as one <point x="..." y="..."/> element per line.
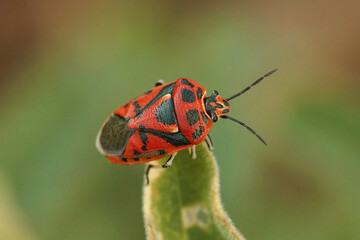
<point x="65" y="66"/>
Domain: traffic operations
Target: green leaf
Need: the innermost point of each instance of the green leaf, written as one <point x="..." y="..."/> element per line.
<point x="183" y="201"/>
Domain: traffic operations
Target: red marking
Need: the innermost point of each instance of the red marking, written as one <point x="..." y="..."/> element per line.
<point x="148" y="120"/>
<point x="182" y="107"/>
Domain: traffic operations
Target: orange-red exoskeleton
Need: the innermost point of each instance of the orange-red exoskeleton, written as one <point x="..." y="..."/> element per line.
<point x="164" y="120"/>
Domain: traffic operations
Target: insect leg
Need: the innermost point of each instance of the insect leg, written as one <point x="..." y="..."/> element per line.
<point x="147" y="173"/>
<point x="159" y="83"/>
<point x="169" y="161"/>
<point x="209" y="143"/>
<point x="192" y="151"/>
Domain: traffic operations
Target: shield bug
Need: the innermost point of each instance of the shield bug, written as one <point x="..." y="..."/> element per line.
<point x="164" y="120"/>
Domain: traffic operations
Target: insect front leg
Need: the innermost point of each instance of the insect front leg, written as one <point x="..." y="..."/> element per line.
<point x="209" y="143"/>
<point x="159" y="82"/>
<point x="192" y="151"/>
<point x="169" y="161"/>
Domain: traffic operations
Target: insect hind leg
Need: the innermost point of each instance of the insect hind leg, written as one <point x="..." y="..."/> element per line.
<point x="209" y="143"/>
<point x="147" y="173"/>
<point x="169" y="161"/>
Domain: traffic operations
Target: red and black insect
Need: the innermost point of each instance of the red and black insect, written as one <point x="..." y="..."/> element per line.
<point x="164" y="120"/>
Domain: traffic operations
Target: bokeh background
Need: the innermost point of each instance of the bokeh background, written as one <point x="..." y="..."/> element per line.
<point x="65" y="66"/>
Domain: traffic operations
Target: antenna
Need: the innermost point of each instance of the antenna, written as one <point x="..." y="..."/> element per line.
<point x="246" y="126"/>
<point x="253" y="84"/>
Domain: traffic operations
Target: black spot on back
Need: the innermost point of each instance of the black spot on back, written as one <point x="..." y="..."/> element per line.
<point x="199" y="93"/>
<point x="187" y="95"/>
<point x="137" y="109"/>
<point x="165" y="113"/>
<point x="126" y="105"/>
<point x="136" y="159"/>
<point x="226" y="103"/>
<point x="144" y="148"/>
<point x="204" y="117"/>
<point x="134" y="103"/>
<point x="136" y="153"/>
<point x="143" y="137"/>
<point x="124" y="159"/>
<point x="186" y="82"/>
<point x="114" y="135"/>
<point x="192" y="116"/>
<point x="196" y="135"/>
<point x="225" y="111"/>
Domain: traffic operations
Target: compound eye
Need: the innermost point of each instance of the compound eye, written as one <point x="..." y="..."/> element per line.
<point x="214" y="117"/>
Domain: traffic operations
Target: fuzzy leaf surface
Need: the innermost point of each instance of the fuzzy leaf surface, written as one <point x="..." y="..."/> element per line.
<point x="183" y="201"/>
